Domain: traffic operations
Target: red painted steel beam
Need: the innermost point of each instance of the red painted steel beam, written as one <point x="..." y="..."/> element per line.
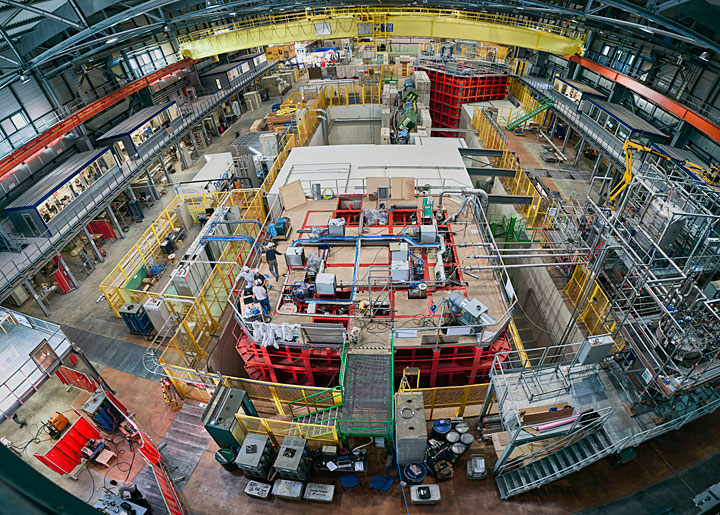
<point x="699" y="122"/>
<point x="36" y="145"/>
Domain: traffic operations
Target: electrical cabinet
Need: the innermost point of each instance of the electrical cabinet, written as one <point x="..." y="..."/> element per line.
<point x="400" y="271"/>
<point x="136" y="319"/>
<point x="336" y="227"/>
<point x="594" y="349"/>
<point x="399" y="252"/>
<point x="428" y="234"/>
<point x="325" y="284"/>
<point x="295" y="256"/>
<point x="219" y="415"/>
<point x="157" y="311"/>
<point x="292" y="460"/>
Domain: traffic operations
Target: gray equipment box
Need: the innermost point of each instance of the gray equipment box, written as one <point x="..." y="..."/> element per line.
<point x="257" y="489"/>
<point x="336" y="227"/>
<point x="325" y="284"/>
<point x="410" y="428"/>
<point x="291" y="462"/>
<point x="219" y="416"/>
<point x="428" y="234"/>
<point x="400" y="271"/>
<point x="295" y="256"/>
<point x="417" y="498"/>
<point x="288" y="489"/>
<point x="471" y="311"/>
<point x="399" y="252"/>
<point x="319" y="493"/>
<point x="594" y="349"/>
<point x="256" y="456"/>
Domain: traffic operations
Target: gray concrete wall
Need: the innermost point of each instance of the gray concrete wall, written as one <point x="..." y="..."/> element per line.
<point x="349" y="132"/>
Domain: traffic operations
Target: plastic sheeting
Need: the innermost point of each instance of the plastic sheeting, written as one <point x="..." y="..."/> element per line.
<point x="269" y="334"/>
<point x="375" y="216"/>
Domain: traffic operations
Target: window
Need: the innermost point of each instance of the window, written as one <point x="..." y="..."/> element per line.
<point x="19" y="120"/>
<point x="606" y="50"/>
<point x="157" y="54"/>
<point x="630" y="61"/>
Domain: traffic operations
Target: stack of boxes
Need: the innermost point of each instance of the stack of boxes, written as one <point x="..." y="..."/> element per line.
<point x="252" y="100"/>
<point x="275" y="85"/>
<point x="422" y="86"/>
<point x="288" y="76"/>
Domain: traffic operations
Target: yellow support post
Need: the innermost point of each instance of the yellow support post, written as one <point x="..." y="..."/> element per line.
<point x="276" y="400"/>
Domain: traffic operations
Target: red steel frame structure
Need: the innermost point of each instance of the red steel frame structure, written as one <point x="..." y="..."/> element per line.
<point x="440" y="365"/>
<point x="449" y="91"/>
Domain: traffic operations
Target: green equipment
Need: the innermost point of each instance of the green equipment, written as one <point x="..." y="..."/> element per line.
<point x="427" y="210"/>
<point x="219" y="416"/>
<point x="410" y="96"/>
<point x="409" y="121"/>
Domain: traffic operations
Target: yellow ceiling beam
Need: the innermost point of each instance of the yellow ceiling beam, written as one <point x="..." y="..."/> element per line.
<point x="502" y="30"/>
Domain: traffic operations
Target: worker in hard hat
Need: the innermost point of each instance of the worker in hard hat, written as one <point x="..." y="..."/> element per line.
<point x="271" y="254"/>
<point x="261" y="296"/>
<point x="249" y="274"/>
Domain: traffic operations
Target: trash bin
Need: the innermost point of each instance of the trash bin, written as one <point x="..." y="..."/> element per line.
<point x="226" y="458"/>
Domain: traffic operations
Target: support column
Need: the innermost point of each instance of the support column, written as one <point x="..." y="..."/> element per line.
<point x="554" y="126"/>
<point x="214" y="123"/>
<point x="567" y="137"/>
<point x="134" y="205"/>
<point x="181" y="155"/>
<point x="581" y="148"/>
<point x="165" y="171"/>
<point x="596" y="166"/>
<point x="194" y="142"/>
<point x="70" y="275"/>
<point x="153" y="189"/>
<point x="115" y="222"/>
<point x="94" y="247"/>
<point x="205" y="134"/>
<point x="606" y="183"/>
<point x="35" y="296"/>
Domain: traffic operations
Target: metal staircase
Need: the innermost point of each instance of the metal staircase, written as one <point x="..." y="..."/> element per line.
<point x="525" y="117"/>
<point x="368" y="387"/>
<point x="564" y="461"/>
<point x="321" y="409"/>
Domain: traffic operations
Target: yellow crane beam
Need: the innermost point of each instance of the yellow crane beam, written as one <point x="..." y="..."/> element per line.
<point x="359" y="22"/>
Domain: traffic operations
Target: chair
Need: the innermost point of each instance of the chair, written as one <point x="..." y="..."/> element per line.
<point x="380" y="483"/>
<point x="349" y="481"/>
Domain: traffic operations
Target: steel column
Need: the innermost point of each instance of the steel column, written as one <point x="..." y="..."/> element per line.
<point x="35" y="296"/>
<point x="115" y="222"/>
<point x="181" y="154"/>
<point x="153" y="190"/>
<point x="581" y="148"/>
<point x="94" y="247"/>
<point x="567" y="137"/>
<point x="165" y="171"/>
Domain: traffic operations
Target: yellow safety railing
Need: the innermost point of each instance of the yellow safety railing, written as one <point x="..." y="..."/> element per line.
<point x="316" y="435"/>
<point x="369" y="14"/>
<point x="520" y="183"/>
<point x="458" y="397"/>
<point x="597" y="304"/>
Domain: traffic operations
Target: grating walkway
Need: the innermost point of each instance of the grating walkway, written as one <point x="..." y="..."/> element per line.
<point x="367" y="408"/>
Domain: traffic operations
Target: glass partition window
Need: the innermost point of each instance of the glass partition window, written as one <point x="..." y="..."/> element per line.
<point x="162" y="120"/>
<point x="623" y="132"/>
<point x="77" y="184"/>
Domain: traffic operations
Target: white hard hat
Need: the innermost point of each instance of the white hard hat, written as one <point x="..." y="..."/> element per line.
<point x="245" y="269"/>
<point x="270" y="245"/>
<point x="258" y="282"/>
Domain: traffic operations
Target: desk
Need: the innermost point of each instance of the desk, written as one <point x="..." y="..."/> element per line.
<point x="104" y="457"/>
<point x="4" y="317"/>
<point x="111" y="504"/>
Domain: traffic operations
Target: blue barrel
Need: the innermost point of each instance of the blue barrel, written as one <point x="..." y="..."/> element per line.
<point x="415" y="473"/>
<point x="440" y="428"/>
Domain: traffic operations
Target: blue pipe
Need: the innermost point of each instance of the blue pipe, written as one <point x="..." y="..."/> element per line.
<point x="381" y="237"/>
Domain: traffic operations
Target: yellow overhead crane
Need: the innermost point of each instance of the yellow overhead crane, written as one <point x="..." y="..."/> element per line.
<point x="710" y="174"/>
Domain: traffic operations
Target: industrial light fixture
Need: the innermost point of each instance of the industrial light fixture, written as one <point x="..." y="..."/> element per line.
<point x="111" y="40"/>
<point x="166" y="28"/>
<point x="23" y="77"/>
<point x="645" y="29"/>
<point x="705" y="56"/>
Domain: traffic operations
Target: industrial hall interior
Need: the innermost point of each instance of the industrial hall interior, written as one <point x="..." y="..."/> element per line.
<point x="359" y="257"/>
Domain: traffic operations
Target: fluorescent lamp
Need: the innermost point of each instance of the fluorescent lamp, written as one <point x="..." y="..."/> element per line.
<point x="111" y="40"/>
